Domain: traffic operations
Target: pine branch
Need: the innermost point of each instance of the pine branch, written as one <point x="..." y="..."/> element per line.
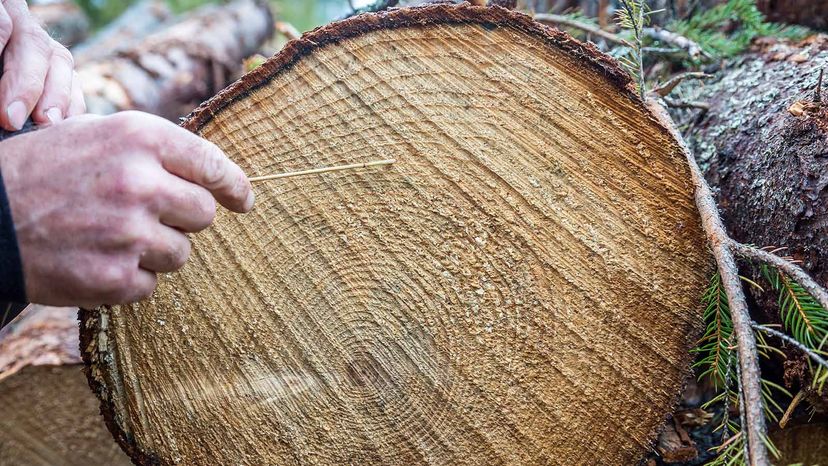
<point x="801" y="314"/>
<point x="749" y="375"/>
<point x="793" y="342"/>
<point x="728" y="28"/>
<point x="715" y="346"/>
<point x="786" y="266"/>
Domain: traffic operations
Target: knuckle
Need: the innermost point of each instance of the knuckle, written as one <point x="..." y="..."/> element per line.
<point x="204" y="208"/>
<point x="59" y="52"/>
<point x="179" y="254"/>
<point x="131" y="127"/>
<point x="112" y="279"/>
<point x="36" y="39"/>
<point x="128" y="187"/>
<point x="212" y="169"/>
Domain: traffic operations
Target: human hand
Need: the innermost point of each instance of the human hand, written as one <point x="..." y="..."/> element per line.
<point x="38" y="73"/>
<point x="101" y="204"/>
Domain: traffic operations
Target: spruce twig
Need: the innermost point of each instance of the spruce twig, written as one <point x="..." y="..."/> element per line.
<point x="793" y="342"/>
<point x="749" y="375"/>
<point x="786" y="266"/>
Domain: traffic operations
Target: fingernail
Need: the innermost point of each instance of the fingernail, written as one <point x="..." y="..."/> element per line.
<point x="248" y="204"/>
<point x="17" y="114"/>
<point x="54" y="115"/>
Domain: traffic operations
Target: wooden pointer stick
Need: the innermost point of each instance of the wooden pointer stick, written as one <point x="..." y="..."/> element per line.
<point x="314" y="171"/>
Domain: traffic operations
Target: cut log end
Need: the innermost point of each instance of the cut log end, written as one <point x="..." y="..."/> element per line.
<point x="521" y="286"/>
<point x="49" y="415"/>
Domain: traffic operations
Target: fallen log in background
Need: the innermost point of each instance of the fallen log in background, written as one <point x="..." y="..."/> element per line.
<point x="63" y="19"/>
<point x="138" y="21"/>
<point x="805" y="444"/>
<point x="521" y="286"/>
<point x="764" y="146"/>
<point x="170" y="72"/>
<point x="49" y="415"/>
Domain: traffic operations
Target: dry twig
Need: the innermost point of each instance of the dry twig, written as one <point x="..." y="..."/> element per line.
<point x="749" y="374"/>
<point x="664" y="89"/>
<point x="678" y="103"/>
<point x="315" y="171"/>
<point x="560" y="20"/>
<point x="786" y="266"/>
<point x="288" y="30"/>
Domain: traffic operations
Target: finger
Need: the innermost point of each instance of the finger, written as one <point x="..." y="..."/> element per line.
<point x="186" y="206"/>
<point x="168" y="252"/>
<point x="202" y="162"/>
<point x="26" y="61"/>
<point x="6" y="28"/>
<point x="53" y="105"/>
<point x="141" y="285"/>
<point x="77" y="105"/>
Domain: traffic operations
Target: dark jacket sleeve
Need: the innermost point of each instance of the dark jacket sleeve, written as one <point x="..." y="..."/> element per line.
<point x="12" y="288"/>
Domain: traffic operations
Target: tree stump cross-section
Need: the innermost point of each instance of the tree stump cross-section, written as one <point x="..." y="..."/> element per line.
<point x="522" y="286"/>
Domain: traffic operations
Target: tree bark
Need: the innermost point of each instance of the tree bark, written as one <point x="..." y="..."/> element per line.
<point x="50" y="416"/>
<point x="805" y="443"/>
<point x="764" y="147"/>
<point x="170" y="72"/>
<point x="769" y="165"/>
<point x="811" y="13"/>
<point x="522" y="286"/>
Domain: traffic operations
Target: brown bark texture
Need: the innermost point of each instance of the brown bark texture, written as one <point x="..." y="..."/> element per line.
<point x="171" y="71"/>
<point x="811" y="13"/>
<point x="49" y="415"/>
<point x="767" y="159"/>
<point x="530" y="266"/>
<point x="764" y="147"/>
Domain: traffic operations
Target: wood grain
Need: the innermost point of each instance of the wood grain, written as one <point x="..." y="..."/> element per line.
<point x="520" y="287"/>
<point x="49" y="415"/>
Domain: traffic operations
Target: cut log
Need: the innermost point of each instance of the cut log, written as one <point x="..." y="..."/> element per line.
<point x="63" y="19"/>
<point x="50" y="417"/>
<point x="805" y="444"/>
<point x="171" y="71"/>
<point x="522" y="286"/>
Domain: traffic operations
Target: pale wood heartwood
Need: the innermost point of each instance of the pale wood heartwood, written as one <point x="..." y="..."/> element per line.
<point x="521" y="286"/>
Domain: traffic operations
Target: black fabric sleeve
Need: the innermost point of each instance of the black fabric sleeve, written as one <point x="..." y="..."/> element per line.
<point x="12" y="288"/>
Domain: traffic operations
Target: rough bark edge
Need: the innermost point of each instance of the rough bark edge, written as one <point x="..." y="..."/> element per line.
<point x="400" y="18"/>
<point x="334" y="33"/>
<point x="90" y="328"/>
<point x="48" y="339"/>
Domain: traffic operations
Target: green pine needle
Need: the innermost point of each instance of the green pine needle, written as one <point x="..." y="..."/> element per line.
<point x="728" y="29"/>
<point x="801" y="314"/>
<point x="635" y="16"/>
<point x="717" y="357"/>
